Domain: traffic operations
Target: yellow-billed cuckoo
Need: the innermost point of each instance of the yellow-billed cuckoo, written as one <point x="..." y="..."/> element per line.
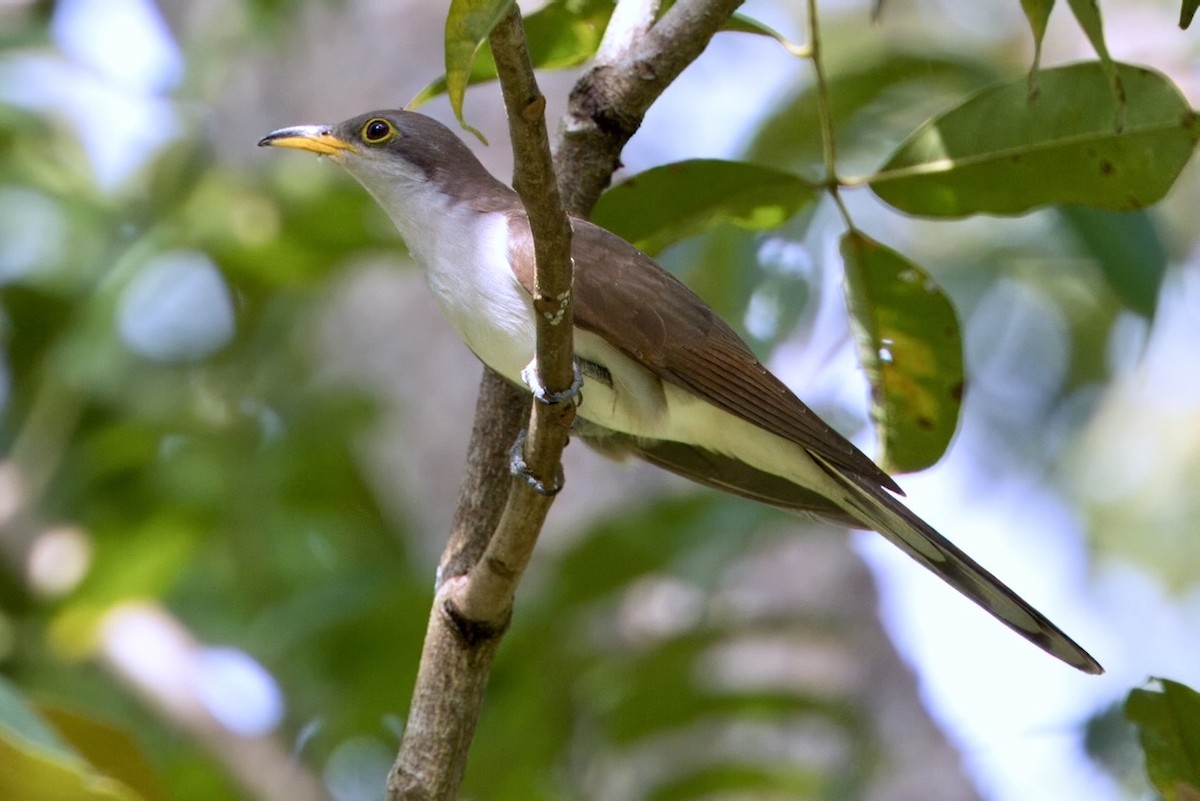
<point x="665" y="378"/>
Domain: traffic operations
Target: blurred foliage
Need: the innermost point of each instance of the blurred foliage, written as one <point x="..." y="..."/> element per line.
<point x="1166" y="716"/>
<point x="661" y="206"/>
<point x="222" y="481"/>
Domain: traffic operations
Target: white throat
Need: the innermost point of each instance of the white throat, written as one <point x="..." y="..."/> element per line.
<point x="464" y="255"/>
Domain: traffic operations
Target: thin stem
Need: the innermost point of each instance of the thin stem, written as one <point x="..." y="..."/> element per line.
<point x="825" y="114"/>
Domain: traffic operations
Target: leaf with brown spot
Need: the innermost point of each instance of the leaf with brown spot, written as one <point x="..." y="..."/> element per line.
<point x="1001" y="152"/>
<point x="910" y="346"/>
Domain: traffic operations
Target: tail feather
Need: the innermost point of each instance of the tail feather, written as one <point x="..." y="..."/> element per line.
<point x="862" y="502"/>
<point x="876" y="508"/>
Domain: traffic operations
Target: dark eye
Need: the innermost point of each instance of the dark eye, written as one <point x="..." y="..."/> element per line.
<point x="377" y="131"/>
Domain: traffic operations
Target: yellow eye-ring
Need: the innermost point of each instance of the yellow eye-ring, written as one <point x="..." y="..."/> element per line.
<point x="377" y="131"/>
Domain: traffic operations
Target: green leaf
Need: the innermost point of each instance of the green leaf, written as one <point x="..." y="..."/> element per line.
<point x="740" y="23"/>
<point x="1002" y="152"/>
<point x="564" y="34"/>
<point x="561" y="35"/>
<point x="1129" y="250"/>
<point x="742" y="781"/>
<point x="19" y="721"/>
<point x="911" y="348"/>
<point x="665" y="204"/>
<point x="109" y="748"/>
<point x="33" y="775"/>
<point x="37" y="765"/>
<point x="1038" y="14"/>
<point x="1087" y="13"/>
<point x="1186" y="12"/>
<point x="1168" y="722"/>
<point x="879" y="92"/>
<point x="617" y="550"/>
<point x="468" y="24"/>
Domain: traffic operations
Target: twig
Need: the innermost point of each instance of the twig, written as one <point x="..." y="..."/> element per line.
<point x="825" y="113"/>
<point x="608" y="103"/>
<point x="630" y="21"/>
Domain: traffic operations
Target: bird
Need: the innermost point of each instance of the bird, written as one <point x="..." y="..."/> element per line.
<point x="664" y="378"/>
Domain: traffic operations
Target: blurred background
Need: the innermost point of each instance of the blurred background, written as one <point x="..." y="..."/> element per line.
<point x="233" y="428"/>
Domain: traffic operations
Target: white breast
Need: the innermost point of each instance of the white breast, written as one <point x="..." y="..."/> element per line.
<point x="465" y="259"/>
<point x="464" y="256"/>
<point x="469" y="276"/>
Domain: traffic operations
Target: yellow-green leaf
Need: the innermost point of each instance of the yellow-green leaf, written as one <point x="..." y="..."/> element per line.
<point x="560" y="35"/>
<point x="468" y="24"/>
<point x="1038" y="14"/>
<point x="32" y="775"/>
<point x="740" y="23"/>
<point x="37" y="765"/>
<point x="1087" y="14"/>
<point x="1168" y="721"/>
<point x="109" y="749"/>
<point x="1003" y="152"/>
<point x="1186" y="12"/>
<point x="663" y="205"/>
<point x="911" y="348"/>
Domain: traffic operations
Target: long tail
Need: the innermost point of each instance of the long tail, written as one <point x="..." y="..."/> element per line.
<point x="862" y="503"/>
<point x="876" y="508"/>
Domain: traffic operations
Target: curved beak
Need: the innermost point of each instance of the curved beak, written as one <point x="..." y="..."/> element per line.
<point x="318" y="139"/>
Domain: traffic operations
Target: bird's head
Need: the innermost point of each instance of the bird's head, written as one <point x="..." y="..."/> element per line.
<point x="386" y="150"/>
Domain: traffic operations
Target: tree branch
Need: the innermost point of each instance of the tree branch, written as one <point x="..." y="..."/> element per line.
<point x="630" y="21"/>
<point x="609" y="102"/>
<point x="478" y="575"/>
<point x="488" y="593"/>
<point x="454" y="667"/>
<point x="479" y="571"/>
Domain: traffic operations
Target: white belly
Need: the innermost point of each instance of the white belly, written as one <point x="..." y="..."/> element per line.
<point x="469" y="277"/>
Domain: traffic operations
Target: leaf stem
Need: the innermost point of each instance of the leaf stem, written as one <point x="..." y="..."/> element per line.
<point x="825" y="115"/>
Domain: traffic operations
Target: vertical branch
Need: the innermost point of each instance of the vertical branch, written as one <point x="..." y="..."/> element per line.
<point x="488" y="592"/>
<point x="480" y="570"/>
<point x="479" y="573"/>
<point x="455" y="659"/>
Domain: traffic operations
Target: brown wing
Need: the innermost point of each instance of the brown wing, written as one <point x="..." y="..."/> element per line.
<point x="638" y="307"/>
<point x="624" y="296"/>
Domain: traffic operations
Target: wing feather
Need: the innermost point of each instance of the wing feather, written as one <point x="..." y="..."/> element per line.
<point x="624" y="296"/>
<point x="628" y="299"/>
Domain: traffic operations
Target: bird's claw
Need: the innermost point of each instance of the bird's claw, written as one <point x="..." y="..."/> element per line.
<point x="530" y="376"/>
<point x="520" y="468"/>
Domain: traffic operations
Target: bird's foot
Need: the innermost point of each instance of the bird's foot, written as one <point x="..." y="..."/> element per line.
<point x="571" y="394"/>
<point x="520" y="468"/>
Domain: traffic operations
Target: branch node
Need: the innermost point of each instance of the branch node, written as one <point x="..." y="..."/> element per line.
<point x="534" y="109"/>
<point x="474" y="633"/>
